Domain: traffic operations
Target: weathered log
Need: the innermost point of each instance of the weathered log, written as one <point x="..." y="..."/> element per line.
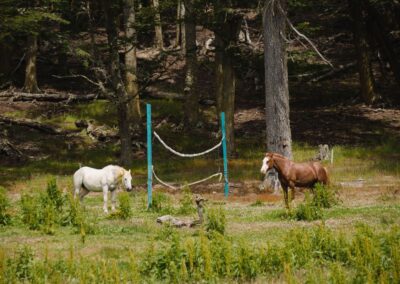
<point x="179" y="223"/>
<point x="34" y="125"/>
<point x="9" y="150"/>
<point x="155" y="93"/>
<point x="21" y="96"/>
<point x="336" y="71"/>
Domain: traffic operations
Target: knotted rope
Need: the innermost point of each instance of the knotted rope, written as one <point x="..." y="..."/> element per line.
<point x="186" y="155"/>
<point x="189" y="184"/>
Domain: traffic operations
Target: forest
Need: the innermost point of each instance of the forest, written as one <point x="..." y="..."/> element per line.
<point x="313" y="82"/>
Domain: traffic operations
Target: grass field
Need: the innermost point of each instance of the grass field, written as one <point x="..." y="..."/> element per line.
<point x="249" y="237"/>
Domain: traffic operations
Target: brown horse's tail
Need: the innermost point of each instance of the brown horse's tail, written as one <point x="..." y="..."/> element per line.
<point x="325" y="179"/>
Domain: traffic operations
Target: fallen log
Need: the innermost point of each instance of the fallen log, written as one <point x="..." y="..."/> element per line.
<point x="21" y="96"/>
<point x="334" y="72"/>
<point x="155" y="93"/>
<point x="34" y="125"/>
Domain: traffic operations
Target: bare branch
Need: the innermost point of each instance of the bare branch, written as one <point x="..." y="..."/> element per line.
<point x="309" y="41"/>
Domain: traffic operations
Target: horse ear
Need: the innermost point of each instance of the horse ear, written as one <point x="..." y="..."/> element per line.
<point x="129" y="170"/>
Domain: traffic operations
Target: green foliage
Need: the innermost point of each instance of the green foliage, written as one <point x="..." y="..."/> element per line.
<point x="55" y="195"/>
<point x="30" y="209"/>
<point x="24" y="264"/>
<point x="324" y="197"/>
<point x="318" y="253"/>
<point x="161" y="203"/>
<point x="186" y="202"/>
<point x="307" y="210"/>
<point x="5" y="216"/>
<point x="257" y="203"/>
<point x="216" y="220"/>
<point x="124" y="210"/>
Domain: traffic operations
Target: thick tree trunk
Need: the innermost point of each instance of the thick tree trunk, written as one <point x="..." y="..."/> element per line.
<point x="279" y="137"/>
<point x="361" y="46"/>
<point x="226" y="88"/>
<point x="30" y="84"/>
<point x="192" y="99"/>
<point x="5" y="60"/>
<point x="157" y="25"/>
<point x="179" y="23"/>
<point x="118" y="85"/>
<point x="377" y="24"/>
<point x="130" y="62"/>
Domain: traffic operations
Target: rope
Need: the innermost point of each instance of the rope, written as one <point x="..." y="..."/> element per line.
<point x="189" y="184"/>
<point x="187" y="155"/>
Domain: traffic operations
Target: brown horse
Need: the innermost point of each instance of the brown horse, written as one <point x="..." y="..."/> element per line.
<point x="293" y="174"/>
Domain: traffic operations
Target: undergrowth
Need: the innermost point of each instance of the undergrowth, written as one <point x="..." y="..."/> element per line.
<point x="317" y="254"/>
<point x="5" y="216"/>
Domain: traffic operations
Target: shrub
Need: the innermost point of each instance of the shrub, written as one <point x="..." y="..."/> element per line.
<point x="54" y="194"/>
<point x="324" y="197"/>
<point x="24" y="266"/>
<point x="30" y="208"/>
<point x="308" y="211"/>
<point x="186" y="202"/>
<point x="161" y="203"/>
<point x="216" y="220"/>
<point x="124" y="210"/>
<point x="257" y="203"/>
<point x="5" y="217"/>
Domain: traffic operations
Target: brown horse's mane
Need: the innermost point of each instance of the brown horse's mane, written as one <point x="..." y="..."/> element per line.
<point x="279" y="156"/>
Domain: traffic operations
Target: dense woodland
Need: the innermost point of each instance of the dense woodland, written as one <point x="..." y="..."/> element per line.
<point x="309" y="79"/>
<point x="204" y="53"/>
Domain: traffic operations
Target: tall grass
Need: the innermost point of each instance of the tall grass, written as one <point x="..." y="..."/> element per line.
<point x="5" y="216"/>
<point x="318" y="253"/>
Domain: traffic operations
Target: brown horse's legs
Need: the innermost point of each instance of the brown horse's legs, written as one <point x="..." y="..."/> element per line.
<point x="291" y="194"/>
<point x="291" y="185"/>
<point x="285" y="195"/>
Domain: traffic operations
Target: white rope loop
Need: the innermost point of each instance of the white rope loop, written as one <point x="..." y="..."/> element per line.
<point x="189" y="184"/>
<point x="187" y="155"/>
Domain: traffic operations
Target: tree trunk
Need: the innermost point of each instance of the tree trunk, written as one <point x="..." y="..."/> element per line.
<point x="377" y="24"/>
<point x="130" y="62"/>
<point x="5" y="60"/>
<point x="157" y="24"/>
<point x="226" y="87"/>
<point x="276" y="79"/>
<point x="361" y="47"/>
<point x="179" y="19"/>
<point x="191" y="95"/>
<point x="30" y="84"/>
<point x="118" y="85"/>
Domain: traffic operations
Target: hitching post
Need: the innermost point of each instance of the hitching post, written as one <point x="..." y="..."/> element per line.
<point x="149" y="158"/>
<point x="224" y="154"/>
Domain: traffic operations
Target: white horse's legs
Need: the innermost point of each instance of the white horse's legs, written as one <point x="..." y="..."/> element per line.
<point x="76" y="191"/>
<point x="113" y="199"/>
<point x="83" y="193"/>
<point x="105" y="197"/>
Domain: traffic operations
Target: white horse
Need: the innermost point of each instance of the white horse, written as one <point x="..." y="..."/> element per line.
<point x="87" y="179"/>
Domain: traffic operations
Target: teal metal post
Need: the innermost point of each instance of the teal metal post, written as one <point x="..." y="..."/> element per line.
<point x="224" y="154"/>
<point x="149" y="158"/>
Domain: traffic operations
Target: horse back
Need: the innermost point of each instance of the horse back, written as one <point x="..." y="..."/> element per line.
<point x="322" y="173"/>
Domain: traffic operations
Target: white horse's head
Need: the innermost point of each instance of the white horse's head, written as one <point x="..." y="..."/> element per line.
<point x="127" y="180"/>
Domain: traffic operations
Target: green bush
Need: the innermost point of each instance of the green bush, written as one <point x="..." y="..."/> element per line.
<point x="307" y="210"/>
<point x="124" y="210"/>
<point x="55" y="195"/>
<point x="216" y="220"/>
<point x="5" y="217"/>
<point x="161" y="203"/>
<point x="324" y="197"/>
<point x="186" y="206"/>
<point x="24" y="264"/>
<point x="31" y="213"/>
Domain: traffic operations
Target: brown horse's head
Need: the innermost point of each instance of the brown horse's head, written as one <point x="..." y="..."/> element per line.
<point x="267" y="163"/>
